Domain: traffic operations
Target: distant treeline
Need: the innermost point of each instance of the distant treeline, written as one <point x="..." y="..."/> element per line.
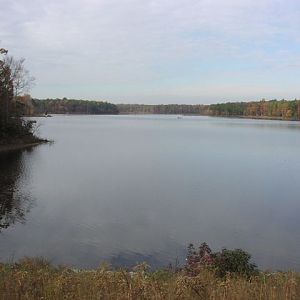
<point x="273" y="109"/>
<point x="198" y="109"/>
<point x="70" y="106"/>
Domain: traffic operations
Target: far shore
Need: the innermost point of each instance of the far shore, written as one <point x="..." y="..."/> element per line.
<point x="175" y="114"/>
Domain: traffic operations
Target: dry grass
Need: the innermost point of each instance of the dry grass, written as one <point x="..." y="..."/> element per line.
<point x="37" y="279"/>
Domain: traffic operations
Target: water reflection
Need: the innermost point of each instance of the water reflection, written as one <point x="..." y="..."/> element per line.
<point x="14" y="205"/>
<point x="126" y="189"/>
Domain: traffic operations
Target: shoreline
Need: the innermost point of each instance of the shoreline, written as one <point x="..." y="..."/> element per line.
<point x="22" y="146"/>
<point x="176" y="114"/>
<point x="215" y="116"/>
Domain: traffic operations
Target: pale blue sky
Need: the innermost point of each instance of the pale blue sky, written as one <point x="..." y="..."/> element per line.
<point x="157" y="51"/>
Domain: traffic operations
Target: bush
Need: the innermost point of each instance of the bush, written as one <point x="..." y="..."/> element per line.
<point x="234" y="261"/>
<point x="226" y="261"/>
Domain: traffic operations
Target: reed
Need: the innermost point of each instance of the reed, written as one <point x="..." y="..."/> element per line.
<point x="37" y="279"/>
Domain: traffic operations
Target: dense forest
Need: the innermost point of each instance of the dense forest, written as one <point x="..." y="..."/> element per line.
<point x="273" y="109"/>
<point x="198" y="109"/>
<point x="282" y="109"/>
<point x="70" y="106"/>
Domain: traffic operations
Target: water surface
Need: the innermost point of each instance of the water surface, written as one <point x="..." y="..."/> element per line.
<point x="125" y="189"/>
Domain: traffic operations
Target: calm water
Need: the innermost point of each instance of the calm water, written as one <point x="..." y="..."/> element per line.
<point x="124" y="189"/>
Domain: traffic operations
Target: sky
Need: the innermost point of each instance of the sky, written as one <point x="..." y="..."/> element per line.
<point x="156" y="51"/>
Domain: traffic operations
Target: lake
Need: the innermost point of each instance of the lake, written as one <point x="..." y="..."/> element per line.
<point x="126" y="189"/>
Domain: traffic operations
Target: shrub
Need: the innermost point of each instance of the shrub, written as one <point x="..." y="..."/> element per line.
<point x="226" y="261"/>
<point x="234" y="261"/>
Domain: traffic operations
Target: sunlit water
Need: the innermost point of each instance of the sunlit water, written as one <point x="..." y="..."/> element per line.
<point x="124" y="189"/>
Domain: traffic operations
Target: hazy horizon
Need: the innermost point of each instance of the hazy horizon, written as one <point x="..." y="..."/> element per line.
<point x="157" y="52"/>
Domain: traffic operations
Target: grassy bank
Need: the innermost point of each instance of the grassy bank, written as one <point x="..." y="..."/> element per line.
<point x="37" y="279"/>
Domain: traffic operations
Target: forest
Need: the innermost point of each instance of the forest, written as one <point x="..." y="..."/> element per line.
<point x="70" y="106"/>
<point x="273" y="109"/>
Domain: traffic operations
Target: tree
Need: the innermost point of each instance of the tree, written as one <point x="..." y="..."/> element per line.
<point x="234" y="261"/>
<point x="14" y="80"/>
<point x="20" y="76"/>
<point x="6" y="89"/>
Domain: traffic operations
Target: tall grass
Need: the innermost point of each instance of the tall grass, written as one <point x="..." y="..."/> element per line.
<point x="37" y="279"/>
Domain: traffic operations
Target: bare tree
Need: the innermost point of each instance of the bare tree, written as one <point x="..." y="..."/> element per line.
<point x="22" y="81"/>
